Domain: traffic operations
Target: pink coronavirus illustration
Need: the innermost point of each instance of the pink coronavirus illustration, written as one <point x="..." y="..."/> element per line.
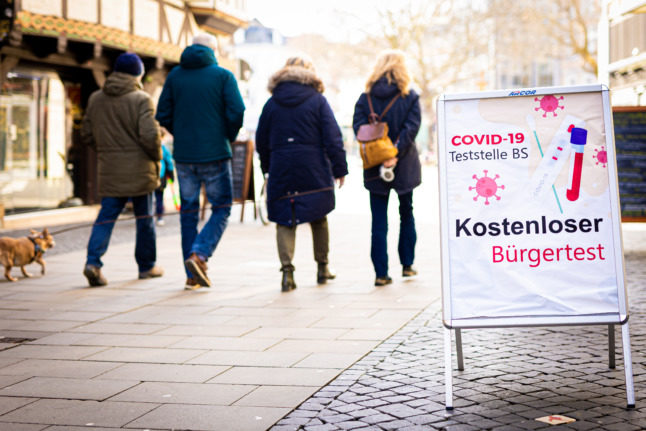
<point x="486" y="187"/>
<point x="601" y="156"/>
<point x="548" y="104"/>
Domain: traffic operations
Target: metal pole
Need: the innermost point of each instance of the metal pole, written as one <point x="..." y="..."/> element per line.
<point x="458" y="348"/>
<point x="628" y="366"/>
<point x="448" y="378"/>
<point x="611" y="346"/>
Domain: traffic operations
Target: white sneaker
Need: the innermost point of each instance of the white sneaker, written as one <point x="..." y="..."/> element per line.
<point x="161" y="222"/>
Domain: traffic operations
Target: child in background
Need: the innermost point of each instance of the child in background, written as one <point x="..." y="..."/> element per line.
<point x="166" y="172"/>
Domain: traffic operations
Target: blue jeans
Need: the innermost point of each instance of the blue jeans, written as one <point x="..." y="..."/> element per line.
<point x="407" y="232"/>
<point x="217" y="179"/>
<point x="145" y="245"/>
<point x="159" y="203"/>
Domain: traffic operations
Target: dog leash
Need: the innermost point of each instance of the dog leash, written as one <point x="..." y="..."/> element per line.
<point x="173" y="213"/>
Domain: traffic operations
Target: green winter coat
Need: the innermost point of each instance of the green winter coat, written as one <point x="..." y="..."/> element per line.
<point x="119" y="124"/>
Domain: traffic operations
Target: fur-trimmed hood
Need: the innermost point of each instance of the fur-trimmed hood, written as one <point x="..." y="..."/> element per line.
<point x="295" y="74"/>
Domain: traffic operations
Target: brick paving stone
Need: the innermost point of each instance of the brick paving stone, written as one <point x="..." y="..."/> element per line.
<point x="399" y="410"/>
<point x="304" y="414"/>
<point x="323" y="427"/>
<point x="396" y="425"/>
<point x="461" y="427"/>
<point x="443" y="424"/>
<point x="424" y="419"/>
<point x="345" y="408"/>
<point x="624" y="427"/>
<point x="363" y="412"/>
<point x="583" y="425"/>
<point x="339" y="417"/>
<point x="351" y="425"/>
<point x="294" y="420"/>
<point x="378" y="418"/>
<point x="397" y="399"/>
<point x="372" y="402"/>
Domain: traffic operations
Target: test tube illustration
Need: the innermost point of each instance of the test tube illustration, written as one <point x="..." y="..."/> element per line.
<point x="554" y="157"/>
<point x="578" y="140"/>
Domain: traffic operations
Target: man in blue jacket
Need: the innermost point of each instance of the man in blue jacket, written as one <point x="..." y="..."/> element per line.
<point x="202" y="108"/>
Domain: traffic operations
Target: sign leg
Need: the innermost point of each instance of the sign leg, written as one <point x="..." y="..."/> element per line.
<point x="611" y="346"/>
<point x="458" y="349"/>
<point x="448" y="376"/>
<point x="628" y="366"/>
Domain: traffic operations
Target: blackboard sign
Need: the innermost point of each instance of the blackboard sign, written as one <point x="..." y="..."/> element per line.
<point x="242" y="173"/>
<point x="630" y="143"/>
<point x="241" y="166"/>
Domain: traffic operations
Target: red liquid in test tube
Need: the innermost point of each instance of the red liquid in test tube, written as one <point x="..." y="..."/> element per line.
<point x="578" y="140"/>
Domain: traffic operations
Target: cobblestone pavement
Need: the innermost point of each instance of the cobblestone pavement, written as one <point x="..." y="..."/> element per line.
<point x="512" y="376"/>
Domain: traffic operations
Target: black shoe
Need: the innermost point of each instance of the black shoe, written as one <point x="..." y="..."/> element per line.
<point x="408" y="271"/>
<point x="288" y="282"/>
<point x="382" y="281"/>
<point x="324" y="274"/>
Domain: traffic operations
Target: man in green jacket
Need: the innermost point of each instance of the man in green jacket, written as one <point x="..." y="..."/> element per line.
<point x="202" y="108"/>
<point x="120" y="126"/>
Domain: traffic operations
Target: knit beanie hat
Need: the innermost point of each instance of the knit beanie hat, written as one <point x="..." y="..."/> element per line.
<point x="129" y="63"/>
<point x="206" y="39"/>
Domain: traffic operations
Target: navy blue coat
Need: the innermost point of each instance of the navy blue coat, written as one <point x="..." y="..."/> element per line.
<point x="300" y="146"/>
<point x="403" y="119"/>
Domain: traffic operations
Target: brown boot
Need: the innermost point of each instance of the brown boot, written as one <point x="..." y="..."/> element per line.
<point x="197" y="267"/>
<point x="288" y="282"/>
<point x="155" y="271"/>
<point x="191" y="284"/>
<point x="324" y="274"/>
<point x="94" y="276"/>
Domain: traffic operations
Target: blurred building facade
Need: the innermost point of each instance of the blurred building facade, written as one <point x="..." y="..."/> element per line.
<point x="264" y="50"/>
<point x="622" y="51"/>
<point x="55" y="53"/>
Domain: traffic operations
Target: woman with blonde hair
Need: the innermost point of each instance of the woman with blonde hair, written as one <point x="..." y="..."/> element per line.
<point x="301" y="149"/>
<point x="389" y="84"/>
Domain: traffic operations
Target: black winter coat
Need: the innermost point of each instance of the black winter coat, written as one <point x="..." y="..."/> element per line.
<point x="300" y="146"/>
<point x="403" y="119"/>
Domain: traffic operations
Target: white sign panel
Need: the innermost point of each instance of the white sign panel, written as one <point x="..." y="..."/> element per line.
<point x="529" y="208"/>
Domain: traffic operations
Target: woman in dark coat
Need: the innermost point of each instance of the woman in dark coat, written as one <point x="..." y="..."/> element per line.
<point x="390" y="79"/>
<point x="301" y="148"/>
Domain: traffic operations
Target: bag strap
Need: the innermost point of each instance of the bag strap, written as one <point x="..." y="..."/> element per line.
<point x="374" y="117"/>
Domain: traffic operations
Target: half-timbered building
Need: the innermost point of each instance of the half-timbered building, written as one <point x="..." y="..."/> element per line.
<point x="55" y="53"/>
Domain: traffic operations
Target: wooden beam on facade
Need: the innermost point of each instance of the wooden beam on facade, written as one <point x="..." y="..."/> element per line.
<point x="98" y="49"/>
<point x="61" y="46"/>
<point x="57" y="59"/>
<point x="163" y="23"/>
<point x="8" y="63"/>
<point x="15" y="38"/>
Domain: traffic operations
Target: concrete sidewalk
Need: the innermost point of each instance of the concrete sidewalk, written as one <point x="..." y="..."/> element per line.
<point x="145" y="354"/>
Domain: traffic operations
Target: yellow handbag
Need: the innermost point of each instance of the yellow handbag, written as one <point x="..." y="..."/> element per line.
<point x="375" y="146"/>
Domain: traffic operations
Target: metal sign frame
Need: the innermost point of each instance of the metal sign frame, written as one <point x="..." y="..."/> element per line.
<point x="450" y="322"/>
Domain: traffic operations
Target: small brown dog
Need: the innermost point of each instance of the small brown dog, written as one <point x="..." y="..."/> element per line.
<point x="25" y="250"/>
